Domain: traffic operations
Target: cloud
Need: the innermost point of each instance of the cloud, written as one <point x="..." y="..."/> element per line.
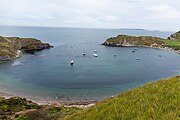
<point x="154" y="14"/>
<point x="165" y="11"/>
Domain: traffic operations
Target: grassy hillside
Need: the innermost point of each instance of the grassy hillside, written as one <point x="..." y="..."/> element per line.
<point x="156" y="101"/>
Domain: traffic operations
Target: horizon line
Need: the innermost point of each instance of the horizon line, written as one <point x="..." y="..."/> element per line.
<point x="88" y="28"/>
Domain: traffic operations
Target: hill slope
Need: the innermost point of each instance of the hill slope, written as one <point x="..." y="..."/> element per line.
<point x="157" y="100"/>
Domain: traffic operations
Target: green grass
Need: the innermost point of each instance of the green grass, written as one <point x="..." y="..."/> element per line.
<point x="175" y="44"/>
<point x="172" y="42"/>
<point x="154" y="101"/>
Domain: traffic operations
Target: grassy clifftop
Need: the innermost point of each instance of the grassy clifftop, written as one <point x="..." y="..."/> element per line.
<point x="10" y="47"/>
<point x="157" y="100"/>
<point x="125" y="40"/>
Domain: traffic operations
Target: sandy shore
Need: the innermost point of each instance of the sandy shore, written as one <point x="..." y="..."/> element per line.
<point x="165" y="49"/>
<point x="57" y="103"/>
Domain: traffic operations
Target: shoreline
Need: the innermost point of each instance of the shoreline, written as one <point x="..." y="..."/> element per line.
<point x="144" y="46"/>
<point x="56" y="103"/>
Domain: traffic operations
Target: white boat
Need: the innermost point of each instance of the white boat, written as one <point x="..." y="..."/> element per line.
<point x="72" y="62"/>
<point x="95" y="55"/>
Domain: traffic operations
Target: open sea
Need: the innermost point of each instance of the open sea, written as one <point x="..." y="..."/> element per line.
<point x="48" y="74"/>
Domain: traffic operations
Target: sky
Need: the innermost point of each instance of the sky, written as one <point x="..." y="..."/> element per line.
<point x="112" y="14"/>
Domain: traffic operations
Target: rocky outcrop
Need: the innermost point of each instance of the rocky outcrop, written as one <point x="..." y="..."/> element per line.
<point x="12" y="47"/>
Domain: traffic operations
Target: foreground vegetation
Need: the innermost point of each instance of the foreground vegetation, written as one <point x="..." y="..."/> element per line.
<point x="156" y="101"/>
<point x="22" y="109"/>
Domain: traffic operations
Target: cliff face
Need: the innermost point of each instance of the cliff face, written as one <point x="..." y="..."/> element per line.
<point x="12" y="47"/>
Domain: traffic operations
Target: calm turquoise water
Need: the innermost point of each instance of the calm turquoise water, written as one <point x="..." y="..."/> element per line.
<point x="48" y="74"/>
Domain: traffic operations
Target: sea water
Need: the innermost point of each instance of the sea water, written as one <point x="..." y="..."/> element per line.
<point x="48" y="73"/>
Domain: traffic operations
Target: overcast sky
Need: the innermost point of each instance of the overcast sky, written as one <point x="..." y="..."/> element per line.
<point x="147" y="14"/>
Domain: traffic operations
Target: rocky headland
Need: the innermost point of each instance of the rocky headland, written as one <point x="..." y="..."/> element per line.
<point x="172" y="43"/>
<point x="13" y="47"/>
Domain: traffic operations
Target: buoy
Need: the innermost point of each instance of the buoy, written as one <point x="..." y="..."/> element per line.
<point x="133" y="51"/>
<point x="95" y="51"/>
<point x="72" y="62"/>
<point x="84" y="54"/>
<point x="114" y="55"/>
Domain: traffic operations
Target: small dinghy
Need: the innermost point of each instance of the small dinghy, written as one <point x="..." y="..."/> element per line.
<point x="137" y="58"/>
<point x="133" y="51"/>
<point x="72" y="62"/>
<point x="95" y="55"/>
<point x="84" y="54"/>
<point x="115" y="55"/>
<point x="135" y="48"/>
